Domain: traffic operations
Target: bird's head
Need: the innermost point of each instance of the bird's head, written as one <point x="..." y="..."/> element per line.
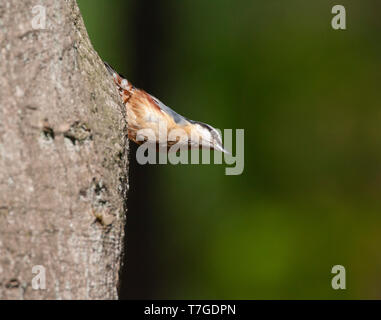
<point x="209" y="136"/>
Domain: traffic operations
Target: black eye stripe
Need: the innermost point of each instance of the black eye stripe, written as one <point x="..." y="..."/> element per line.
<point x="202" y="124"/>
<point x="213" y="132"/>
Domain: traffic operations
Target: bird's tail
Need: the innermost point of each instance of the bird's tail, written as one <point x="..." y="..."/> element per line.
<point x="109" y="68"/>
<point x="120" y="81"/>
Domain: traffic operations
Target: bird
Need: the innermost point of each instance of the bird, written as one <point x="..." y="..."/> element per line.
<point x="144" y="111"/>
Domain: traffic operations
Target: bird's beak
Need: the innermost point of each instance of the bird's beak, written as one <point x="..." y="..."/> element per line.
<point x="222" y="149"/>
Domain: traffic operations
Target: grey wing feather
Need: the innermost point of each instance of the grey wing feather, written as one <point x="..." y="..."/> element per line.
<point x="179" y="119"/>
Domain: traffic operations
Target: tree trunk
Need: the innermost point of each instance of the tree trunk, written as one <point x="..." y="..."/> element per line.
<point x="63" y="158"/>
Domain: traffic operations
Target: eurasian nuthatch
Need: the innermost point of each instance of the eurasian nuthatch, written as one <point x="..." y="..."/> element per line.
<point x="144" y="111"/>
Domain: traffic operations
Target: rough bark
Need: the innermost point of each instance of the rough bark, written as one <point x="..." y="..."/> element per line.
<point x="63" y="158"/>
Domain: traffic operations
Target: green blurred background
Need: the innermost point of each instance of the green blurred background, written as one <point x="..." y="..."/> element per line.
<point x="308" y="98"/>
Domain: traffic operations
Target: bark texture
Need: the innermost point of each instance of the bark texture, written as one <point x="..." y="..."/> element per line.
<point x="63" y="158"/>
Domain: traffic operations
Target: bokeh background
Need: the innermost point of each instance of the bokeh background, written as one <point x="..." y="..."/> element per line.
<point x="309" y="99"/>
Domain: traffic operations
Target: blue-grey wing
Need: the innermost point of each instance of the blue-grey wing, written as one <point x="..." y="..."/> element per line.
<point x="179" y="119"/>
